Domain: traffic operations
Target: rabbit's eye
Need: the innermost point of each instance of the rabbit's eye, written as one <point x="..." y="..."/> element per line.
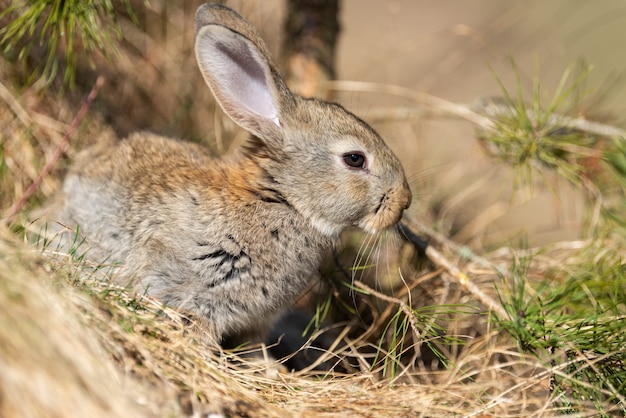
<point x="354" y="160"/>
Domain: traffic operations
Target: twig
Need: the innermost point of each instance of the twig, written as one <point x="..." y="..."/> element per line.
<point x="463" y="251"/>
<point x="460" y="277"/>
<point x="401" y="113"/>
<point x="461" y="111"/>
<point x="497" y="107"/>
<point x="403" y="306"/>
<point x="481" y="113"/>
<point x="465" y="282"/>
<point x="12" y="212"/>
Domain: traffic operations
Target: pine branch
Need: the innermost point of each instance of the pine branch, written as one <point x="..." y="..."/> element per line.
<point x="481" y="113"/>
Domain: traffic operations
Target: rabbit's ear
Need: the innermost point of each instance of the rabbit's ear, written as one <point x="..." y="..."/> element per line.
<point x="236" y="65"/>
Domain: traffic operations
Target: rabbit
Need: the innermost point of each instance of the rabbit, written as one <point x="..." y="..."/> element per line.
<point x="234" y="240"/>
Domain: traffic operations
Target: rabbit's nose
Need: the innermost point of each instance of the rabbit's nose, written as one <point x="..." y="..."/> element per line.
<point x="406" y="195"/>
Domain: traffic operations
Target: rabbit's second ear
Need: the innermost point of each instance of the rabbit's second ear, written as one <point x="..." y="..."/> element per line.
<point x="240" y="77"/>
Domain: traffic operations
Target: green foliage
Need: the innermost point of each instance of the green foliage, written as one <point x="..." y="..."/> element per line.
<point x="408" y="330"/>
<point x="576" y="318"/>
<point x="530" y="135"/>
<point x="544" y="141"/>
<point x="397" y="329"/>
<point x="64" y="29"/>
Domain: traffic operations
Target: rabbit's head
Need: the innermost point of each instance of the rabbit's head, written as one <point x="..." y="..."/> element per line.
<point x="324" y="161"/>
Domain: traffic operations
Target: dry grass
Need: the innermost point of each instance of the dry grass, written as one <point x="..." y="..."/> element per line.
<point x="82" y="347"/>
<point x="71" y="345"/>
<point x="74" y="346"/>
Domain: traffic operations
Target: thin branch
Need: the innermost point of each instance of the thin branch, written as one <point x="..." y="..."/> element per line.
<point x="419" y="228"/>
<point x="464" y="281"/>
<point x="460" y="277"/>
<point x="406" y="309"/>
<point x="495" y="108"/>
<point x="481" y="113"/>
<point x="461" y="111"/>
<point x="14" y="210"/>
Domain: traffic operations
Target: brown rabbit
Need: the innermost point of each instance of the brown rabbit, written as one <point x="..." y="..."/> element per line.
<point x="235" y="240"/>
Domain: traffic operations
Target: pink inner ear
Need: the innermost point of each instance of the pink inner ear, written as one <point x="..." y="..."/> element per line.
<point x="238" y="74"/>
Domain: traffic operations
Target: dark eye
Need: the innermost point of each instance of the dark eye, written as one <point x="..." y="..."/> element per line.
<point x="354" y="160"/>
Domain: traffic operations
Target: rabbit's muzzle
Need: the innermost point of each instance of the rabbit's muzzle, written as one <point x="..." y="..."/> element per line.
<point x="389" y="210"/>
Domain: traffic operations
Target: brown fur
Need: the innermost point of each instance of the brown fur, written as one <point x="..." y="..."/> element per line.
<point x="235" y="240"/>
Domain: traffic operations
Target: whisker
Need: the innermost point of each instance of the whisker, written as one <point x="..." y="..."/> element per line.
<point x="390" y="241"/>
<point x="371" y="253"/>
<point x="357" y="266"/>
<point x="378" y="245"/>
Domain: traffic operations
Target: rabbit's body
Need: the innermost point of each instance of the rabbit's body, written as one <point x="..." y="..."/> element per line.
<point x="231" y="249"/>
<point x="235" y="240"/>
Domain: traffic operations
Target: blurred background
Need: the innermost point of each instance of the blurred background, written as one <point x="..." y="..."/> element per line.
<point x="455" y="50"/>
